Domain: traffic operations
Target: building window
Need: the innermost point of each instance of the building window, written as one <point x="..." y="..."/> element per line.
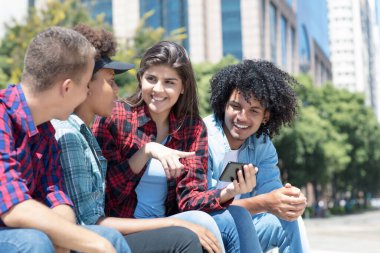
<point x="284" y="43"/>
<point x="304" y="50"/>
<point x="292" y="47"/>
<point x="273" y="32"/>
<point x="169" y="15"/>
<point x="263" y="28"/>
<point x="100" y="7"/>
<point x="231" y="28"/>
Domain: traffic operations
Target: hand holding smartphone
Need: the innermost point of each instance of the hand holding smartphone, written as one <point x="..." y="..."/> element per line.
<point x="229" y="173"/>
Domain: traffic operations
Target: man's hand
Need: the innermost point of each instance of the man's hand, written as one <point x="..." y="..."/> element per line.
<point x="246" y="184"/>
<point x="207" y="239"/>
<point x="287" y="203"/>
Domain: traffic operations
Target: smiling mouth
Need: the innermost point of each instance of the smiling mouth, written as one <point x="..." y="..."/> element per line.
<point x="157" y="99"/>
<point x="240" y="126"/>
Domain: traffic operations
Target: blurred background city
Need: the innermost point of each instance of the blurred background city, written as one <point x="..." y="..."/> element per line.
<point x="332" y="47"/>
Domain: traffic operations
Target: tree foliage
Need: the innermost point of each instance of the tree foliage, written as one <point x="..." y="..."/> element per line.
<point x="203" y="73"/>
<point x="19" y="34"/>
<point x="335" y="139"/>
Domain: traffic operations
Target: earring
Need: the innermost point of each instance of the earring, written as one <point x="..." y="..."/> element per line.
<point x="89" y="93"/>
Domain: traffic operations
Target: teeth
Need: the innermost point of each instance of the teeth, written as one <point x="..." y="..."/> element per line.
<point x="158" y="99"/>
<point x="240" y="126"/>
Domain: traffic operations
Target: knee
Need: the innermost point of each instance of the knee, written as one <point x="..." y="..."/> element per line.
<point x="185" y="234"/>
<point x="37" y="241"/>
<point x="110" y="234"/>
<point x="204" y="219"/>
<point x="113" y="236"/>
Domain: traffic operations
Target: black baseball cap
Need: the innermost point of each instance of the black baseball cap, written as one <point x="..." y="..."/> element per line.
<point x="106" y="63"/>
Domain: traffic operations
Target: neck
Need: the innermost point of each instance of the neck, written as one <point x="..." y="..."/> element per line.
<point x="162" y="126"/>
<point x="85" y="114"/>
<point x="161" y="119"/>
<point x="234" y="143"/>
<point x="39" y="104"/>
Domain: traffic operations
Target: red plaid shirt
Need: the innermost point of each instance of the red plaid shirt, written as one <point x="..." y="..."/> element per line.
<point x="125" y="132"/>
<point x="29" y="155"/>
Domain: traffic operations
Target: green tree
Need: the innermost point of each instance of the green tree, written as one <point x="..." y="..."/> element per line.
<point x="343" y="135"/>
<point x="203" y="73"/>
<point x="19" y="34"/>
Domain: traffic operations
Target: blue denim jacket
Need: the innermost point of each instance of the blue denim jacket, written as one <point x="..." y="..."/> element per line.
<point x="254" y="150"/>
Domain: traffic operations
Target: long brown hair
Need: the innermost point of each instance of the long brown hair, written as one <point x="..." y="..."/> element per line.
<point x="175" y="56"/>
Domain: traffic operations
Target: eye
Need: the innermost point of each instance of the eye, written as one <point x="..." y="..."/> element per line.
<point x="151" y="79"/>
<point x="235" y="107"/>
<point x="170" y="82"/>
<point x="112" y="82"/>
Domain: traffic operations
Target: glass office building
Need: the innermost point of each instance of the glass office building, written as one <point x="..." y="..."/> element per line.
<point x="103" y="7"/>
<point x="169" y="15"/>
<point x="231" y="28"/>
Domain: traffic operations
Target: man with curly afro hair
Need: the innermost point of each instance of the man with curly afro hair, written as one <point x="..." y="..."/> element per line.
<point x="251" y="101"/>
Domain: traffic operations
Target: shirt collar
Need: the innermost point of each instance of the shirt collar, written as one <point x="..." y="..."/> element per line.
<point x="32" y="129"/>
<point x="75" y="121"/>
<point x="79" y="125"/>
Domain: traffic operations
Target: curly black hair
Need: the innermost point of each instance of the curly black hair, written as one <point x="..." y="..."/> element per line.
<point x="102" y="40"/>
<point x="272" y="87"/>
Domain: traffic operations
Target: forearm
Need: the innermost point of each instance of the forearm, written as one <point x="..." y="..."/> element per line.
<point x="128" y="225"/>
<point x="65" y="212"/>
<point x="225" y="196"/>
<point x="63" y="233"/>
<point x="254" y="205"/>
<point x="139" y="159"/>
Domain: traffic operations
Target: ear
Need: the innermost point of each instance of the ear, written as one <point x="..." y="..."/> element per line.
<point x="183" y="90"/>
<point x="66" y="86"/>
<point x="266" y="117"/>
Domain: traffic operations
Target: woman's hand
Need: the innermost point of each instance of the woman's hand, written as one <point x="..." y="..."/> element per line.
<point x="168" y="157"/>
<point x="207" y="239"/>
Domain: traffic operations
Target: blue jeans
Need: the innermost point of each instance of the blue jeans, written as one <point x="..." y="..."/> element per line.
<point x="113" y="236"/>
<point x="17" y="240"/>
<point x="238" y="232"/>
<point x="24" y="240"/>
<point x="274" y="232"/>
<point x="203" y="219"/>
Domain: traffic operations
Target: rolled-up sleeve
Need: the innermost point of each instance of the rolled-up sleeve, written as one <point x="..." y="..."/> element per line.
<point x="192" y="193"/>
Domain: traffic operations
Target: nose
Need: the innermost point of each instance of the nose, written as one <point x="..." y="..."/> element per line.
<point x="158" y="86"/>
<point x="242" y="115"/>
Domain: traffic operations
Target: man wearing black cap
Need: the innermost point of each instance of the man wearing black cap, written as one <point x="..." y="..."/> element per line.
<point x="85" y="168"/>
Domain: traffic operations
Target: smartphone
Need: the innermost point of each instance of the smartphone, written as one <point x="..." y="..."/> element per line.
<point x="229" y="173"/>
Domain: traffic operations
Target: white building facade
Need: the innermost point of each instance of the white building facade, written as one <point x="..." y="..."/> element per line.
<point x="352" y="47"/>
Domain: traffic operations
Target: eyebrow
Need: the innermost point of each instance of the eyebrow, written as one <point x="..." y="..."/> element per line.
<point x="171" y="79"/>
<point x="251" y="107"/>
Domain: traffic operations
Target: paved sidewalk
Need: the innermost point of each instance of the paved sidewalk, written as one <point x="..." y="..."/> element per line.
<point x="345" y="234"/>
